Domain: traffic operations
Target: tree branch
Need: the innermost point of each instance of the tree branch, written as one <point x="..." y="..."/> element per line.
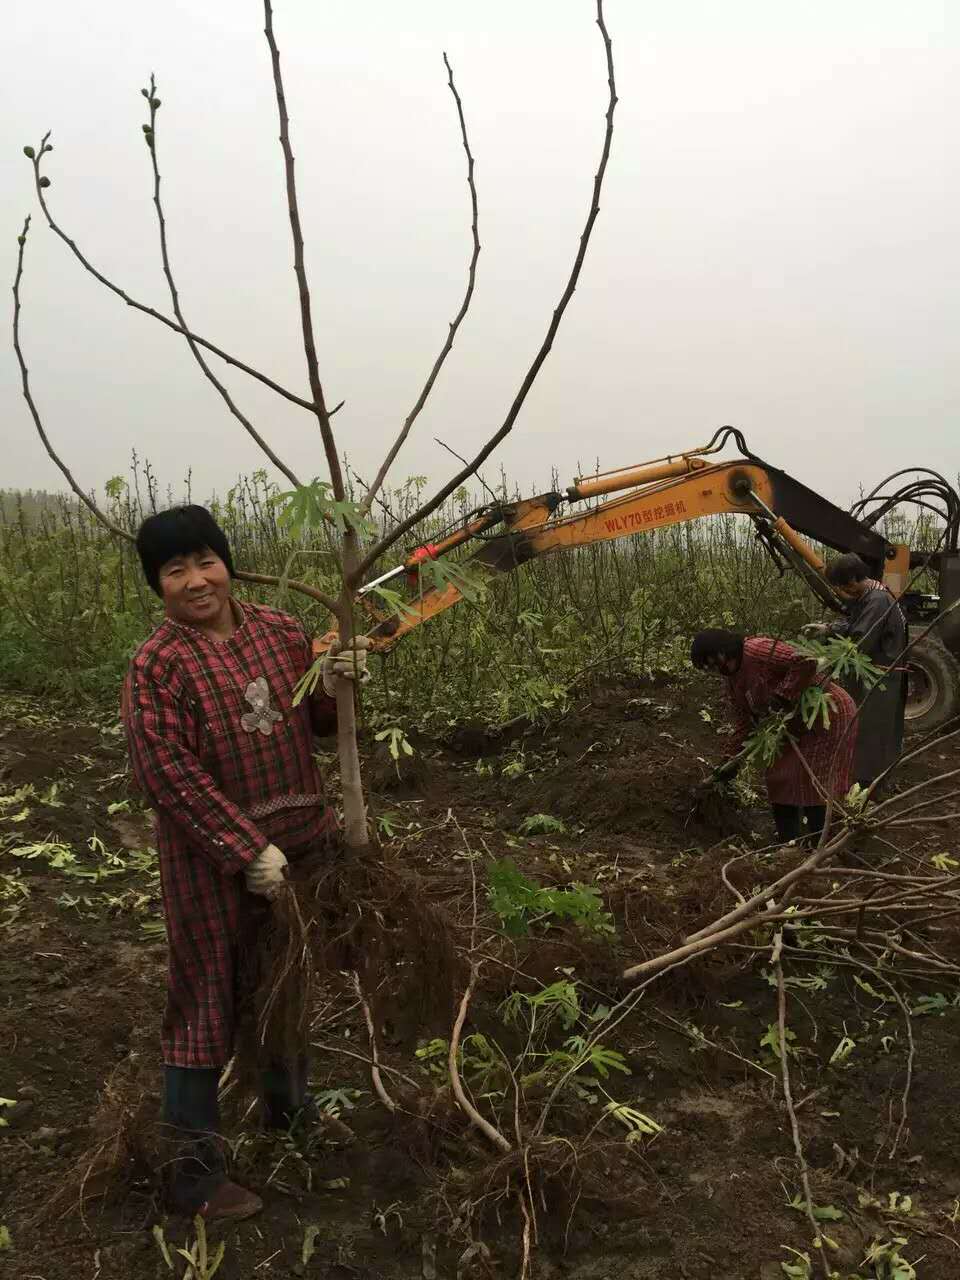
<point x="788" y="1099"/>
<point x="389" y="539"/>
<point x="266" y="579"/>
<point x="306" y="318"/>
<point x="304" y="588"/>
<point x="476" y="1119"/>
<point x="375" y="1076"/>
<point x="28" y="396"/>
<point x="454" y="324"/>
<point x="778" y="887"/>
<point x="151" y="140"/>
<point x="85" y="262"/>
<point x="354" y="806"/>
<point x="911" y="1047"/>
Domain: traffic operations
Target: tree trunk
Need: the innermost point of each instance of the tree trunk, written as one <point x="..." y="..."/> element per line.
<point x="351" y="783"/>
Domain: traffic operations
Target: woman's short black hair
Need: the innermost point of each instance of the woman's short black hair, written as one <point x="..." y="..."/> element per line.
<point x="715" y="643"/>
<point x="846" y="569"/>
<point x="181" y="531"/>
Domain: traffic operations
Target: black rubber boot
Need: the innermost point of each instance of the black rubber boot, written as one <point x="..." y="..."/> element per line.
<point x="788" y="819"/>
<point x="191" y="1119"/>
<point x="285" y="1098"/>
<point x="816" y="816"/>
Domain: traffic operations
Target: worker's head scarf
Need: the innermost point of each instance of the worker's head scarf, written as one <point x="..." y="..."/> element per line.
<point x="708" y="646"/>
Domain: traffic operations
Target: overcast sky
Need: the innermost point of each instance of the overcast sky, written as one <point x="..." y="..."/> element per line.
<point x="778" y="244"/>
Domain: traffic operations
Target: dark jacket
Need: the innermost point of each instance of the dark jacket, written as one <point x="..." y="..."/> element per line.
<point x="877" y="624"/>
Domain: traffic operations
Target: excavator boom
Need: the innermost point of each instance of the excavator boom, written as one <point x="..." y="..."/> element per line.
<point x="667" y="491"/>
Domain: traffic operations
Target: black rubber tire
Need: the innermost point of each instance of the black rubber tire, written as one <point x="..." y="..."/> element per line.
<point x="933" y="687"/>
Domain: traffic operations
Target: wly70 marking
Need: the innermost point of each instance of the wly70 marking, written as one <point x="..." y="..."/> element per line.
<point x="649" y="515"/>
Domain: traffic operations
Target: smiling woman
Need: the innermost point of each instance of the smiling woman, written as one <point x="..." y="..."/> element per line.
<point x="187" y="561"/>
<point x="225" y="757"/>
<point x="196" y="591"/>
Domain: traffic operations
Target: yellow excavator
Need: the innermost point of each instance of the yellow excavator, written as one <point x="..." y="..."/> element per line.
<point x="693" y="485"/>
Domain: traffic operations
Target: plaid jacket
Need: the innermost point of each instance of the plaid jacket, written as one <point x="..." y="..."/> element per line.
<point x="225" y="759"/>
<point x="772" y="669"/>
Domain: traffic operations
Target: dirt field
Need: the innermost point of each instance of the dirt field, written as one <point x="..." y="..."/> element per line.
<point x="705" y="1197"/>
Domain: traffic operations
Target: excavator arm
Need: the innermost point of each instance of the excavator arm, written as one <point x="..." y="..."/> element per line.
<point x="668" y="491"/>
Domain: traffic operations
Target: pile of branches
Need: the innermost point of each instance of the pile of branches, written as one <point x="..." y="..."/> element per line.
<point x="896" y="919"/>
<point x="845" y="904"/>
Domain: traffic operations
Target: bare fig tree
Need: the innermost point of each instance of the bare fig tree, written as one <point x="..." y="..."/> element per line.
<point x="353" y="542"/>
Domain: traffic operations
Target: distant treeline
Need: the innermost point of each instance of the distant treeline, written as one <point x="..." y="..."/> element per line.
<point x="30" y="504"/>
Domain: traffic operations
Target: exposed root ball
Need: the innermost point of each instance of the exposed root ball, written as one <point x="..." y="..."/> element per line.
<point x="354" y="911"/>
<point x="553" y="1176"/>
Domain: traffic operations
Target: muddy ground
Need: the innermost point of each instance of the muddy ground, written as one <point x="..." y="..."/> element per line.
<point x="707" y="1195"/>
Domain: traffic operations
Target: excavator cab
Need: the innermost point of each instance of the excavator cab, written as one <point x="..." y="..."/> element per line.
<point x="933" y="614"/>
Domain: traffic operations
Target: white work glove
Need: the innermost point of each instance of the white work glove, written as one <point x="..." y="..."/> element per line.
<point x="264" y="874"/>
<point x="347" y="664"/>
<point x="815" y="630"/>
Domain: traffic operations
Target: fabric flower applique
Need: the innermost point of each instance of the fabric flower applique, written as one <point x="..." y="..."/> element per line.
<point x="262" y="717"/>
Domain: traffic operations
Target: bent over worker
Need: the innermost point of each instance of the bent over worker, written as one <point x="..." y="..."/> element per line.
<point x="875" y="621"/>
<point x="764" y="675"/>
<point x="225" y="759"/>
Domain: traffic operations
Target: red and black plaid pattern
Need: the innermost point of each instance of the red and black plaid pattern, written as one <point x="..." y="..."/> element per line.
<point x="772" y="669"/>
<point x="203" y="772"/>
